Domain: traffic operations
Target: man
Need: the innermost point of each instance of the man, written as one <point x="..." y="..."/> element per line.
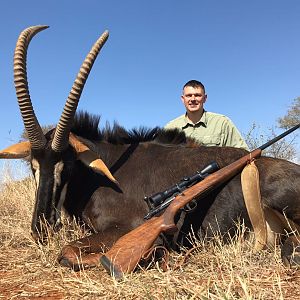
<point x="209" y="129"/>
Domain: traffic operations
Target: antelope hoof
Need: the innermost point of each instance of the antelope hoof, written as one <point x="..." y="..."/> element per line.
<point x="290" y="252"/>
<point x="73" y="259"/>
<point x="70" y="258"/>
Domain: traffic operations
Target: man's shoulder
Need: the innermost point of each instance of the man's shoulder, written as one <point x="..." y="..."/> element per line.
<point x="212" y="116"/>
<point x="215" y="115"/>
<point x="177" y="122"/>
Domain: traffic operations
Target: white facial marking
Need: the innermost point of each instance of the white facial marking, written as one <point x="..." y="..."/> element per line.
<point x="36" y="168"/>
<point x="61" y="201"/>
<point x="57" y="182"/>
<point x="57" y="173"/>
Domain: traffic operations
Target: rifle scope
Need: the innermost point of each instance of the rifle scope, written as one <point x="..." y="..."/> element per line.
<point x="158" y="198"/>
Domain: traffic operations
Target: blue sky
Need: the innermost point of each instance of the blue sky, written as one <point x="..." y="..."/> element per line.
<point x="245" y="52"/>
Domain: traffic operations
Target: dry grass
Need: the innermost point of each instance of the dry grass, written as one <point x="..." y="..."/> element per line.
<point x="210" y="271"/>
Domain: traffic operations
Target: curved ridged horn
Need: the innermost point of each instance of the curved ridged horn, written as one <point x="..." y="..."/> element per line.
<point x="35" y="133"/>
<point x="61" y="136"/>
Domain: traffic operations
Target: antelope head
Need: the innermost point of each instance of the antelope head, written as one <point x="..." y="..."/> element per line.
<point x="52" y="155"/>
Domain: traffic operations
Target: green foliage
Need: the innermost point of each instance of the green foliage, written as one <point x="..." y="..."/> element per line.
<point x="285" y="148"/>
<point x="292" y="116"/>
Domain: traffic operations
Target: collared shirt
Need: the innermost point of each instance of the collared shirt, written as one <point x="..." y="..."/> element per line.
<point x="211" y="130"/>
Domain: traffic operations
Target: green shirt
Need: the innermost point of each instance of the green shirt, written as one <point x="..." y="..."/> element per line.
<point x="212" y="130"/>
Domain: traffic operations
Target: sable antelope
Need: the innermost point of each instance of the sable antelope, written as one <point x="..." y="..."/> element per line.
<point x="102" y="176"/>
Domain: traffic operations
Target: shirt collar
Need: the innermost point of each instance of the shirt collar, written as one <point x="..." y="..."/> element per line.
<point x="202" y="121"/>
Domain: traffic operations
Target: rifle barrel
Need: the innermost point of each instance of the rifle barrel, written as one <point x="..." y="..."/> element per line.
<point x="277" y="138"/>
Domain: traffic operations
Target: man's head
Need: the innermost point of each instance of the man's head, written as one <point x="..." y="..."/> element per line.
<point x="193" y="96"/>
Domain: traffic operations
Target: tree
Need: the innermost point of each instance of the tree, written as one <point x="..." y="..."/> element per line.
<point x="287" y="148"/>
<point x="292" y="116"/>
<point x="284" y="148"/>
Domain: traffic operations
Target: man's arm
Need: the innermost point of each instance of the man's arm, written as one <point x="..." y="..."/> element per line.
<point x="233" y="136"/>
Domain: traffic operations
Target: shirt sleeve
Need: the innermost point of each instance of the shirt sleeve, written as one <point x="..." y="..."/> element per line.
<point x="169" y="126"/>
<point x="177" y="123"/>
<point x="233" y="136"/>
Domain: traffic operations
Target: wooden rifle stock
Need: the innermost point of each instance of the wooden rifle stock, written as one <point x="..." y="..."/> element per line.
<point x="126" y="253"/>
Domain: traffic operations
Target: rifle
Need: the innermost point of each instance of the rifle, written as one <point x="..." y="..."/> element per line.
<point x="160" y="201"/>
<point x="126" y="253"/>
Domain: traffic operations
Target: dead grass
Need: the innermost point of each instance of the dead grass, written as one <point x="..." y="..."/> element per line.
<point x="209" y="271"/>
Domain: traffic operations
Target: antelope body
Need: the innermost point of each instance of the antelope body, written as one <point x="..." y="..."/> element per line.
<point x="102" y="176"/>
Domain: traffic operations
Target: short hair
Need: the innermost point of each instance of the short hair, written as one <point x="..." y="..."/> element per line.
<point x="194" y="84"/>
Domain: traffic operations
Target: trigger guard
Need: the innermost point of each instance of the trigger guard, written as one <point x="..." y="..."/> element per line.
<point x="189" y="207"/>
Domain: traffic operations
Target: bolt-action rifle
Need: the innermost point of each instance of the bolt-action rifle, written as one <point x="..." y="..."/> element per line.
<point x="126" y="253"/>
<point x="160" y="201"/>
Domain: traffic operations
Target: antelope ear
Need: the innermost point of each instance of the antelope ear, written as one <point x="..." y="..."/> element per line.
<point x="20" y="150"/>
<point x="90" y="158"/>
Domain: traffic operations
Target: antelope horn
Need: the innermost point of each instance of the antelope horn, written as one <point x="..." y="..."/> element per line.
<point x="90" y="158"/>
<point x="61" y="136"/>
<point x="35" y="133"/>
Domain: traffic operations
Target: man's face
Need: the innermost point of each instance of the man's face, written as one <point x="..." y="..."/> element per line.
<point x="193" y="98"/>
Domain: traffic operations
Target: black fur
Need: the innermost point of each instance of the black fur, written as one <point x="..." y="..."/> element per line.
<point x="86" y="125"/>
